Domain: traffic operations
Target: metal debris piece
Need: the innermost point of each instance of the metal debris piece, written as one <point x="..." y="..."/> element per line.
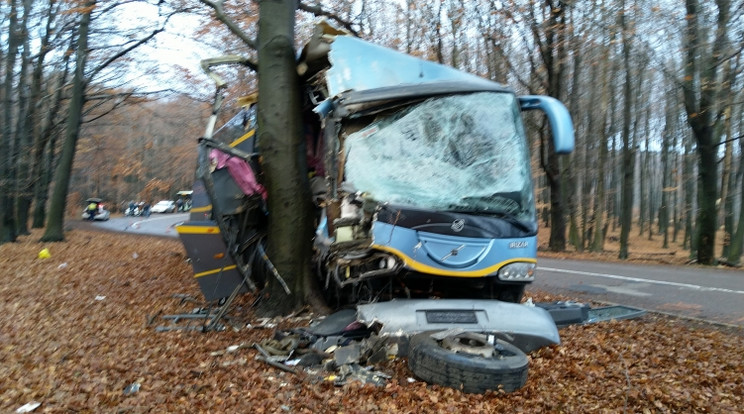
<point x="349" y="354"/>
<point x="28" y="407"/>
<point x="323" y="344"/>
<point x="132" y="388"/>
<point x="531" y="327"/>
<point x="229" y="349"/>
<point x="283" y="348"/>
<point x="613" y="312"/>
<point x="355" y="372"/>
<point x="576" y="313"/>
<point x="203" y="319"/>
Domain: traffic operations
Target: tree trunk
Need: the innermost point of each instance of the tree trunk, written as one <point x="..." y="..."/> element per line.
<point x="7" y="178"/>
<point x="554" y="58"/>
<point x="689" y="191"/>
<point x="665" y="175"/>
<point x="628" y="153"/>
<point x="23" y="131"/>
<point x="55" y="225"/>
<point x="284" y="163"/>
<point x="737" y="240"/>
<point x="44" y="143"/>
<point x="704" y="95"/>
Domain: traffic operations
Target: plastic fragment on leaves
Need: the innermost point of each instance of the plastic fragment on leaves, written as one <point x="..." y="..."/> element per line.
<point x="28" y="407"/>
<point x="44" y="254"/>
<point x="132" y="388"/>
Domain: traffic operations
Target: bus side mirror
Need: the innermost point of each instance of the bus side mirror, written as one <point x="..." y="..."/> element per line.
<point x="561" y="125"/>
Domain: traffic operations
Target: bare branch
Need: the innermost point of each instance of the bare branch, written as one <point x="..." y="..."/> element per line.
<point x="207" y="65"/>
<point x="318" y="11"/>
<point x="220" y="14"/>
<point x="123" y="52"/>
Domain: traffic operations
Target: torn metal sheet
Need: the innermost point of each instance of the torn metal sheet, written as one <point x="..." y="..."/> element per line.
<point x="616" y="312"/>
<point x="358" y="65"/>
<point x="527" y="327"/>
<point x="576" y="313"/>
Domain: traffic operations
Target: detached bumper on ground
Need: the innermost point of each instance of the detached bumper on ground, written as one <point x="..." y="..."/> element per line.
<point x="527" y="327"/>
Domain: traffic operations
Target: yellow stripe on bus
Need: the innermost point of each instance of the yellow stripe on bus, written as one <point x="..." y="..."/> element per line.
<point x="424" y="268"/>
<point x="203" y="209"/>
<point x="243" y="138"/>
<point x="213" y="271"/>
<point x="186" y="229"/>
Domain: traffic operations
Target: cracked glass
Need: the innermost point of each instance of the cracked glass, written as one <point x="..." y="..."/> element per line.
<point x="464" y="153"/>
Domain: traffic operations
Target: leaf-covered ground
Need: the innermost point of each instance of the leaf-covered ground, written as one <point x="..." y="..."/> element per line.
<point x="74" y="335"/>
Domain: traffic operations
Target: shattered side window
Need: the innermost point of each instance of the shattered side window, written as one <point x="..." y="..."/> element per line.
<point x="233" y="131"/>
<point x="463" y="153"/>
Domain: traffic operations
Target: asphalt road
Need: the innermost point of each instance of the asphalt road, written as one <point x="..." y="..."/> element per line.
<point x="155" y="225"/>
<point x="708" y="293"/>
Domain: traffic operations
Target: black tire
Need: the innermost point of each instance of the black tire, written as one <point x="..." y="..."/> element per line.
<point x="505" y="370"/>
<point x="510" y="293"/>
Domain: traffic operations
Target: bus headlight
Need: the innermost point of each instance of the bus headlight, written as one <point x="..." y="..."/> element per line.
<point x="517" y="272"/>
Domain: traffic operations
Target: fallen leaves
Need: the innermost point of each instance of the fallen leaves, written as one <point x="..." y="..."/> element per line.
<point x="75" y="337"/>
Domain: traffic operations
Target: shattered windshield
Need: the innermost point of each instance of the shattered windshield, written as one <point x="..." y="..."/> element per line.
<point x="457" y="153"/>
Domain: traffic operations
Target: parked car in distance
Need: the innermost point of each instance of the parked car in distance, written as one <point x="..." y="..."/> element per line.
<point x="164" y="206"/>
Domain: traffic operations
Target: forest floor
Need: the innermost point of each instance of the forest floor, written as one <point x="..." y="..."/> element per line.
<point x="641" y="248"/>
<point x="75" y="337"/>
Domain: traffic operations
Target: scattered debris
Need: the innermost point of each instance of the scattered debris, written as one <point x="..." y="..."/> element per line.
<point x="351" y="344"/>
<point x="132" y="388"/>
<point x="212" y="317"/>
<point x="566" y="313"/>
<point x="230" y="349"/>
<point x="44" y="254"/>
<point x="29" y="407"/>
<point x="616" y="312"/>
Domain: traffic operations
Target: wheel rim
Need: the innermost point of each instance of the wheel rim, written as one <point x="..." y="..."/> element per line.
<point x="469" y="343"/>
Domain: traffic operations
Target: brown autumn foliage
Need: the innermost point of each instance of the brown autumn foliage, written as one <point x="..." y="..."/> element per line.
<point x="74" y="335"/>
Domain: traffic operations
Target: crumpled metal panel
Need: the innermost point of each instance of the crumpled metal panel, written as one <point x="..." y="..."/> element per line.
<point x="357" y="65"/>
<point x="527" y="327"/>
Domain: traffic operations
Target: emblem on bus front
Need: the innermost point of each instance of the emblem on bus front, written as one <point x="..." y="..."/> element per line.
<point x="458" y="225"/>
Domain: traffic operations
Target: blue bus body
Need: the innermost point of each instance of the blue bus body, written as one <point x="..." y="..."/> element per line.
<point x="420" y="173"/>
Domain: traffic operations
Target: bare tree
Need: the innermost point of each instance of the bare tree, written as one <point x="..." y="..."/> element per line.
<point x="704" y="92"/>
<point x="54" y="230"/>
<point x="16" y="34"/>
<point x="628" y="156"/>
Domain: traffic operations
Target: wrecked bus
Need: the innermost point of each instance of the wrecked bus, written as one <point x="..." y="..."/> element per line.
<point x="422" y="182"/>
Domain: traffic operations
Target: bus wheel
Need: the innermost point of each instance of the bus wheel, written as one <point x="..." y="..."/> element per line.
<point x="467" y="361"/>
<point x="510" y="293"/>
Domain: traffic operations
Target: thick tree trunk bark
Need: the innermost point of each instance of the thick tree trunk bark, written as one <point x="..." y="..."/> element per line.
<point x="707" y="196"/>
<point x="55" y="224"/>
<point x="7" y="170"/>
<point x="282" y="146"/>
<point x="628" y="158"/>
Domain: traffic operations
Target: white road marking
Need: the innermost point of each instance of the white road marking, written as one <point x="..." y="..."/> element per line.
<point x="637" y="279"/>
<point x="138" y="222"/>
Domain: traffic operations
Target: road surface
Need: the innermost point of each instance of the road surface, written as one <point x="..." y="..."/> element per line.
<point x="155" y="225"/>
<point x="706" y="293"/>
